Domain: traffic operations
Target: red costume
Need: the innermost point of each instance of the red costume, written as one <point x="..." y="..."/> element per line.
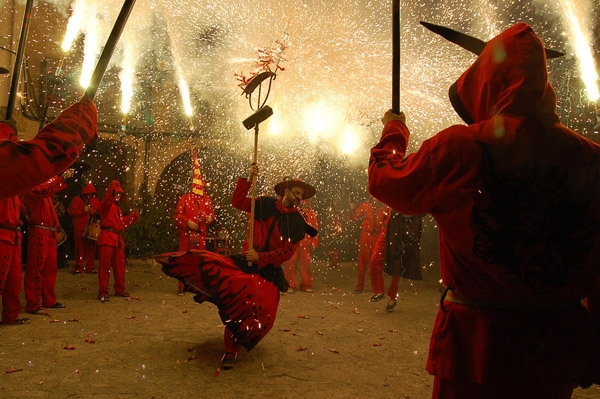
<point x="372" y="220"/>
<point x="301" y="258"/>
<point x="26" y="164"/>
<point x="10" y="249"/>
<point x="516" y="196"/>
<point x="247" y="296"/>
<point x="197" y="209"/>
<point x="81" y="208"/>
<point x="111" y="246"/>
<point x="42" y="227"/>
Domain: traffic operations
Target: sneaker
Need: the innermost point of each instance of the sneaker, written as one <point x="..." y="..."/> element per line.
<point x="180" y="292"/>
<point x="124" y="294"/>
<point x="291" y="290"/>
<point x="390" y="306"/>
<point x="377" y="297"/>
<point x="309" y="290"/>
<point x="17" y="322"/>
<point x="57" y="305"/>
<point x="228" y="360"/>
<point x="358" y="291"/>
<point x="75" y="272"/>
<point x="104" y="298"/>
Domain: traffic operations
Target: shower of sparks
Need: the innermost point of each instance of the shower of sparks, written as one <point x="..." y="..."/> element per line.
<point x="180" y="57"/>
<point x="581" y="42"/>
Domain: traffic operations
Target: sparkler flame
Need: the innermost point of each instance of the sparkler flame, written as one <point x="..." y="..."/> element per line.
<point x="582" y="49"/>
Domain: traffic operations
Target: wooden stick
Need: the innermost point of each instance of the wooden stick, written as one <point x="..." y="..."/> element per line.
<point x="396" y="56"/>
<point x="18" y="61"/>
<point x="253" y="198"/>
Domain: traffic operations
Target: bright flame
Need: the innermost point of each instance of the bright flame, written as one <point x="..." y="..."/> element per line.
<point x="74" y="25"/>
<point x="185" y="95"/>
<point x="91" y="50"/>
<point x="349" y="140"/>
<point x="319" y="120"/>
<point x="276" y="123"/>
<point x="126" y="76"/>
<point x="582" y="50"/>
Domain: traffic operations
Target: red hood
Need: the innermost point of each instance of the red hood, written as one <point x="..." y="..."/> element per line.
<point x="509" y="77"/>
<point x="8" y="132"/>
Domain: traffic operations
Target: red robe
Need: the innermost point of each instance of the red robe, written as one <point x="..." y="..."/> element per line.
<point x="43" y="224"/>
<point x="111" y="245"/>
<point x="10" y="259"/>
<point x="26" y="164"/>
<point x="516" y="196"/>
<point x="195" y="208"/>
<point x="85" y="249"/>
<point x="301" y="258"/>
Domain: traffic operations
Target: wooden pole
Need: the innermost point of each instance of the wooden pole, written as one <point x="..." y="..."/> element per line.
<point x="18" y="61"/>
<point x="253" y="198"/>
<point x="396" y="56"/>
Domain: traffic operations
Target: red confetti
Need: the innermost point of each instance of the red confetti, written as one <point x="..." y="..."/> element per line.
<point x="286" y="330"/>
<point x="192" y="357"/>
<point x="13" y="371"/>
<point x="334" y="350"/>
<point x="356" y="311"/>
<point x="185" y="310"/>
<point x="130" y="317"/>
<point x="217" y="373"/>
<point x="376" y="344"/>
<point x="70" y="348"/>
<point x="301" y="316"/>
<point x="73" y="320"/>
<point x="90" y="341"/>
<point x="302" y="348"/>
<point x="393" y="330"/>
<point x="319" y="332"/>
<point x="54" y="321"/>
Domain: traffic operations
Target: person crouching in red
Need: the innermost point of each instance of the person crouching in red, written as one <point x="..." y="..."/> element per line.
<point x="81" y="208"/>
<point x="111" y="245"/>
<point x="43" y="226"/>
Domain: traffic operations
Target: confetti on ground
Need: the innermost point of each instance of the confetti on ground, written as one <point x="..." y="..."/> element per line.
<point x="334" y="350"/>
<point x="13" y="371"/>
<point x="70" y="348"/>
<point x="319" y="332"/>
<point x="302" y="348"/>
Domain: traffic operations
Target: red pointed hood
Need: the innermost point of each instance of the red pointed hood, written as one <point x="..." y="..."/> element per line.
<point x="509" y="77"/>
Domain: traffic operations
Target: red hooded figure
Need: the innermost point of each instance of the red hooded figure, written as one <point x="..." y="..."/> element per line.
<point x="516" y="197"/>
<point x="111" y="245"/>
<point x="84" y="208"/>
<point x="10" y="248"/>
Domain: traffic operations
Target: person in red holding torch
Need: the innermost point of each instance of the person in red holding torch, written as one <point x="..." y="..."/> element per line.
<point x="516" y="197"/>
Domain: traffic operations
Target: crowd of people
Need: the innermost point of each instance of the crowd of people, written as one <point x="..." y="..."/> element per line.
<point x="515" y="195"/>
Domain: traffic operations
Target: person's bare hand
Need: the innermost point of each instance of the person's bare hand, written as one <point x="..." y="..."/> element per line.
<point x="253" y="172"/>
<point x="391" y="116"/>
<point x="252" y="256"/>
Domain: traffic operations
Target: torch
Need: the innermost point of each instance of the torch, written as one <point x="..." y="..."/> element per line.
<point x="396" y="56"/>
<point x="262" y="113"/>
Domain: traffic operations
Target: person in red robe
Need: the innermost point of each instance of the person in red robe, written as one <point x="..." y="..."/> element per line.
<point x="26" y="164"/>
<point x="372" y="215"/>
<point x="43" y="227"/>
<point x="301" y="259"/>
<point x="193" y="214"/>
<point x="246" y="287"/>
<point x="10" y="249"/>
<point x="516" y="197"/>
<point x="83" y="208"/>
<point x="111" y="245"/>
